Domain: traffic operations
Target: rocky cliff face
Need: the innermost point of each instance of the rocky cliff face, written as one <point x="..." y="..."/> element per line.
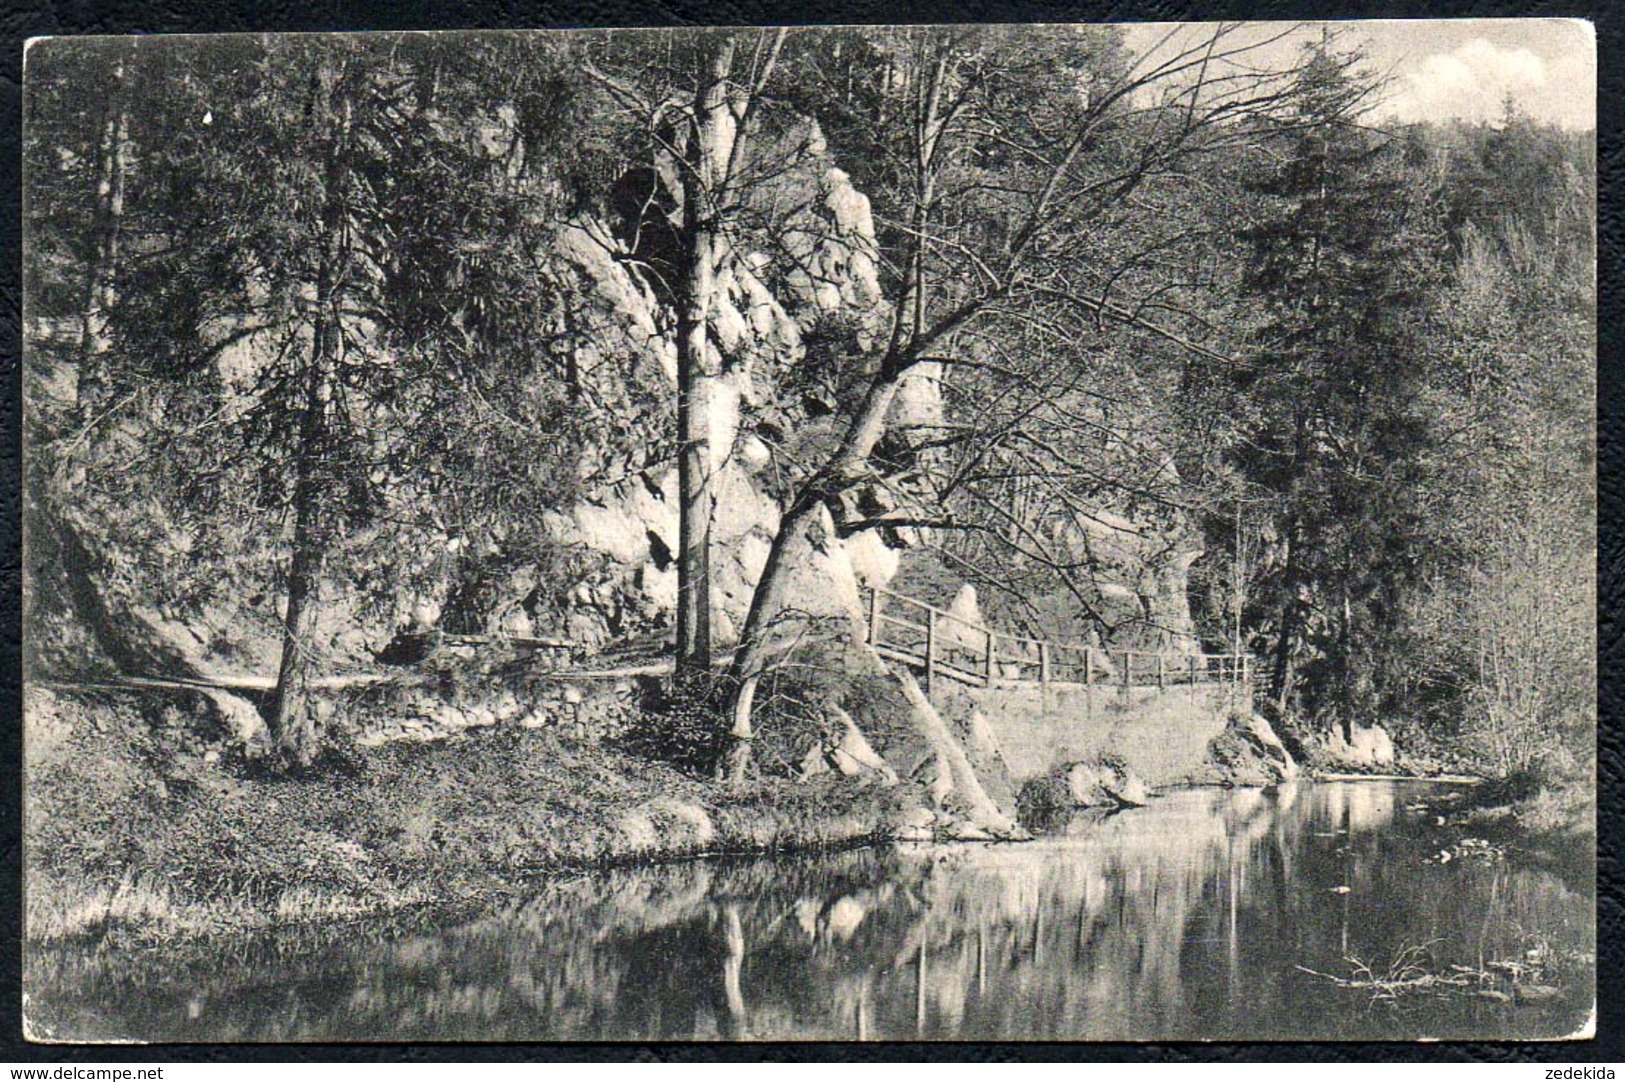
<point x="761" y="336"/>
<point x="782" y="339"/>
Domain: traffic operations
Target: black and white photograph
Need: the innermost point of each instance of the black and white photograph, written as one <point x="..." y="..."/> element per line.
<point x="953" y="533"/>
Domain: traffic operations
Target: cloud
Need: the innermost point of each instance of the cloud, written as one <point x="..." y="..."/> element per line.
<point x="1473" y="80"/>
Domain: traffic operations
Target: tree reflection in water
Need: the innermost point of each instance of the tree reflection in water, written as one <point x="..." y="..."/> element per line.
<point x="1185" y="919"/>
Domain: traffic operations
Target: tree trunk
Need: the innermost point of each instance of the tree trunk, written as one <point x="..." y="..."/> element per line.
<point x="698" y="376"/>
<point x="748" y="664"/>
<point x="862" y="434"/>
<point x="295" y="729"/>
<point x="294" y="726"/>
<point x="695" y="483"/>
<point x="768" y="599"/>
<point x="1345" y="661"/>
<point x="736" y="762"/>
<point x="1289" y="623"/>
<point x="107" y="224"/>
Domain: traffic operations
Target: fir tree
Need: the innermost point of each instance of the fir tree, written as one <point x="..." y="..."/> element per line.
<point x="1341" y="268"/>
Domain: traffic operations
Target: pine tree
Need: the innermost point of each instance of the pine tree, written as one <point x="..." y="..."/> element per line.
<point x="334" y="268"/>
<point x="1342" y="267"/>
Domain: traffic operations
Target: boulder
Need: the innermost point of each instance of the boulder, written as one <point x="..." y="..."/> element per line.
<point x="1373" y="746"/>
<point x="1369" y="748"/>
<point x="1246" y="753"/>
<point x="1105" y="784"/>
<point x="815" y="762"/>
<point x="968" y="832"/>
<point x="1277" y="757"/>
<point x="853" y="756"/>
<point x="1126" y="788"/>
<point x="1083" y="786"/>
<point x="241" y="719"/>
<point x="917" y="824"/>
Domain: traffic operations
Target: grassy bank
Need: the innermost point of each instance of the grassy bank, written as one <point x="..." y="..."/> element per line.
<point x="1552" y="820"/>
<point x="140" y="826"/>
<point x="146" y="822"/>
<point x="1547" y="810"/>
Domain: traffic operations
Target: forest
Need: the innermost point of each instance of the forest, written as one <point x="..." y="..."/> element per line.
<point x="616" y="342"/>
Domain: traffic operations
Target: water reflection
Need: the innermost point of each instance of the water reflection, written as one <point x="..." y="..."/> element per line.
<point x="1186" y="919"/>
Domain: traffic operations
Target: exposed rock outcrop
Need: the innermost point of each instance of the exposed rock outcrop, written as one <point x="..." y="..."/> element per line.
<point x="1370" y="746"/>
<point x="241" y="719"/>
<point x="921" y="748"/>
<point x="852" y="754"/>
<point x="1104" y="783"/>
<point x="961" y="632"/>
<point x="1140" y="584"/>
<point x="615" y="336"/>
<point x="1247" y="753"/>
<point x="1101" y="784"/>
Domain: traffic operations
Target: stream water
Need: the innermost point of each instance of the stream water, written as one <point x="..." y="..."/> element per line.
<point x="1186" y="919"/>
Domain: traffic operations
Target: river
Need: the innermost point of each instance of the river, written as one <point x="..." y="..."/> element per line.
<point x="1196" y="917"/>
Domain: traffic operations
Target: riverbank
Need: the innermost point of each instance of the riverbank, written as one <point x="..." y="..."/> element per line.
<point x="1547" y="815"/>
<point x="1552" y="821"/>
<point x="1118" y="929"/>
<point x="138" y="828"/>
<point x="147" y="820"/>
<point x="451" y="781"/>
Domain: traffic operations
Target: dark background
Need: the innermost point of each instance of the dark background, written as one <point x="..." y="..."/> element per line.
<point x="18" y="22"/>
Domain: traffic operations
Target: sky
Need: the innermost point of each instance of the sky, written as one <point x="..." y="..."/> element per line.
<point x="1441" y="69"/>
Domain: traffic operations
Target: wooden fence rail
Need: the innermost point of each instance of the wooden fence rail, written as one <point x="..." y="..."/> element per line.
<point x="942" y="644"/>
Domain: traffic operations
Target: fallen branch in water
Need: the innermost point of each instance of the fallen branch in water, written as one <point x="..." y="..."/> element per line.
<point x="1393" y="987"/>
<point x="1407" y="974"/>
<point x="1413" y="971"/>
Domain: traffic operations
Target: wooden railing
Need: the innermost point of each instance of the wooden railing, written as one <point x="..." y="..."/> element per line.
<point x="941" y="644"/>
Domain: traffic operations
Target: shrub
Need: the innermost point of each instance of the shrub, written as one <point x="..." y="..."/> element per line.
<point x="686" y="727"/>
<point x="1044" y="804"/>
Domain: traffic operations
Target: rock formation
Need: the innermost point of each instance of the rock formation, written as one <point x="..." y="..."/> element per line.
<point x="622" y="531"/>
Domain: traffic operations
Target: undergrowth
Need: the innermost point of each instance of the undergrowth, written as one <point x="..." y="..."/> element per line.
<point x="129" y="826"/>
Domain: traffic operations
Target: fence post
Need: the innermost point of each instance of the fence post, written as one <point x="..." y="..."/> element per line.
<point x="1128" y="668"/>
<point x="1043" y="663"/>
<point x="930" y="648"/>
<point x="988" y="666"/>
<point x="1161" y="673"/>
<point x="1192" y="660"/>
<point x="1088" y="665"/>
<point x="874" y="616"/>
